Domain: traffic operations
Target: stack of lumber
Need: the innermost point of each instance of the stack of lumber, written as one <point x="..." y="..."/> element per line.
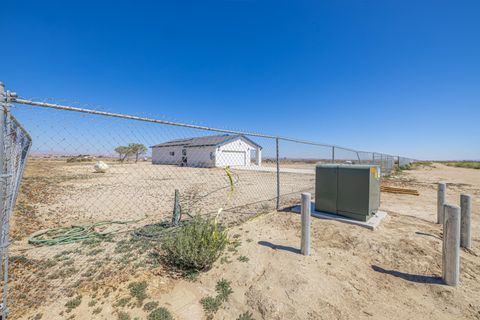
<point x="396" y="190"/>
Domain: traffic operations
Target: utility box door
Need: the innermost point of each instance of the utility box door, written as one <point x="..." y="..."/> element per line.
<point x="353" y="194"/>
<point x="326" y="188"/>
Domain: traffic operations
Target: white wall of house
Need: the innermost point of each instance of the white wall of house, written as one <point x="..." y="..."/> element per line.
<point x="235" y="153"/>
<point x="201" y="156"/>
<point x="196" y="156"/>
<point x="163" y="155"/>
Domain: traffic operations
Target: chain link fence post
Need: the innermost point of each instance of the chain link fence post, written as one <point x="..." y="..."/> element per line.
<point x="15" y="144"/>
<point x="3" y="190"/>
<point x="278" y="172"/>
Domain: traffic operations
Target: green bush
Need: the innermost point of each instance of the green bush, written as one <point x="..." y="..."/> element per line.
<point x="160" y="314"/>
<point x="196" y="245"/>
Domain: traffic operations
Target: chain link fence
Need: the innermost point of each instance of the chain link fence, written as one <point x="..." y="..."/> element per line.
<point x="89" y="166"/>
<point x="15" y="143"/>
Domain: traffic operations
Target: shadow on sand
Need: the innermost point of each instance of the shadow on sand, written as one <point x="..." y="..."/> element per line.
<point x="278" y="247"/>
<point x="409" y="277"/>
<point x="428" y="234"/>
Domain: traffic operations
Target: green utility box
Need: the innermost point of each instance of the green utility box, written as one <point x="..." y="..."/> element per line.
<point x="348" y="190"/>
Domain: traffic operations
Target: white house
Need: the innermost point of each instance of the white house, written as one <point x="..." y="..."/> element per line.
<point x="208" y="151"/>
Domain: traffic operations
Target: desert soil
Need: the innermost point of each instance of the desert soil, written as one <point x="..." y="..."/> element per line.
<point x="353" y="273"/>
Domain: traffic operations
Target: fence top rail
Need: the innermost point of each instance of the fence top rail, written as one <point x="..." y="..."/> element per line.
<point x="18" y="100"/>
<point x="11" y="97"/>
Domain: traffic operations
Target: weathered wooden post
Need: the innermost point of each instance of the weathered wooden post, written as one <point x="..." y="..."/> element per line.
<point x="306" y="212"/>
<point x="466" y="217"/>
<point x="440" y="201"/>
<point x="451" y="245"/>
<point x="177" y="209"/>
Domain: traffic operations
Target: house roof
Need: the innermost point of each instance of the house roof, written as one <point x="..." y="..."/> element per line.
<point x="204" y="141"/>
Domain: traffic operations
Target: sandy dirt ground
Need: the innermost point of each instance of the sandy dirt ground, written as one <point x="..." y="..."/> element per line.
<point x="352" y="273"/>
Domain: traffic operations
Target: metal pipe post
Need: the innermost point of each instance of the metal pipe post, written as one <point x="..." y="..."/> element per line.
<point x="466" y="217"/>
<point x="451" y="245"/>
<point x="3" y="199"/>
<point x="442" y="187"/>
<point x="333" y="154"/>
<point x="306" y="212"/>
<point x="278" y="173"/>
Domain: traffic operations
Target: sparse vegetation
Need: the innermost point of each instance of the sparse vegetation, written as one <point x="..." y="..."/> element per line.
<point x="123" y="316"/>
<point x="138" y="290"/>
<point x="197" y="245"/>
<point x="72" y="304"/>
<point x="243" y="259"/>
<point x="97" y="310"/>
<point x="246" y="316"/>
<point x="464" y="164"/>
<point x="192" y="275"/>
<point x="212" y="304"/>
<point x="149" y="306"/>
<point x="123" y="302"/>
<point x="223" y="289"/>
<point x="160" y="314"/>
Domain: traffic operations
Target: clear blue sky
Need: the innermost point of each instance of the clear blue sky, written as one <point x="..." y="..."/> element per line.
<point x="401" y="77"/>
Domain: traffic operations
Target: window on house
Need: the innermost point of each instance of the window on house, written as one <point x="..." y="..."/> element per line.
<point x="172" y="153"/>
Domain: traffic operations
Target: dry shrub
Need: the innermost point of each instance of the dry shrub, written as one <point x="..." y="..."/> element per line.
<point x="196" y="245"/>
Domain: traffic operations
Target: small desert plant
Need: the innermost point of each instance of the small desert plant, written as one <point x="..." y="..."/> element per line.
<point x="212" y="304"/>
<point x="149" y="306"/>
<point x="123" y="316"/>
<point x="72" y="304"/>
<point x="246" y="316"/>
<point x="243" y="259"/>
<point x="160" y="314"/>
<point x="196" y="245"/>
<point x="97" y="310"/>
<point x="122" y="302"/>
<point x="138" y="290"/>
<point x="224" y="289"/>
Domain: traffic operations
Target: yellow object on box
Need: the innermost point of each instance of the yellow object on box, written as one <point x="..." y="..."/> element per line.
<point x="376" y="172"/>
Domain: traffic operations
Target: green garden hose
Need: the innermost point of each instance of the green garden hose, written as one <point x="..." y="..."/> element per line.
<point x="65" y="235"/>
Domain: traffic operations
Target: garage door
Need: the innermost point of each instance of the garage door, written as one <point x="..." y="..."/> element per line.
<point x="233" y="158"/>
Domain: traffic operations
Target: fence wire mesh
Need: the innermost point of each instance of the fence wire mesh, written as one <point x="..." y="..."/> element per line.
<point x="146" y="165"/>
<point x="14" y="146"/>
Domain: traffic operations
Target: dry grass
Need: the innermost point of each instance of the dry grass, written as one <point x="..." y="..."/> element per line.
<point x="464" y="164"/>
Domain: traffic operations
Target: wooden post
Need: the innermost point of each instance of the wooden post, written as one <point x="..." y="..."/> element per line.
<point x="451" y="245"/>
<point x="440" y="201"/>
<point x="306" y="216"/>
<point x="466" y="217"/>
<point x="177" y="210"/>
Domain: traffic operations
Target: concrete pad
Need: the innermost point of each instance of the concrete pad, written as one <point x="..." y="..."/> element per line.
<point x="371" y="224"/>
